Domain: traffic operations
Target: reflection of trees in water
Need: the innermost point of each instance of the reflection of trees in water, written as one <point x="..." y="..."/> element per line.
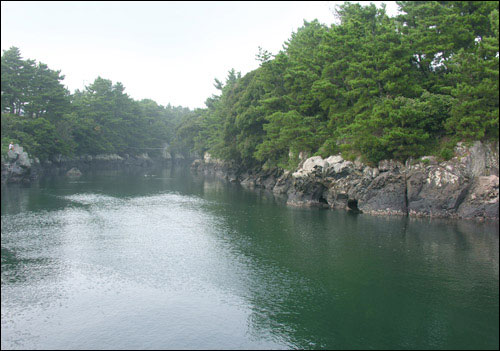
<point x="324" y="279"/>
<point x="213" y="186"/>
<point x="29" y="240"/>
<point x="457" y="243"/>
<point x="15" y="198"/>
<point x="311" y="278"/>
<point x="17" y="270"/>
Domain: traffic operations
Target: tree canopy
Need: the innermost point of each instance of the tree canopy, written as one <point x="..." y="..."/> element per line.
<point x="369" y="86"/>
<point x="39" y="113"/>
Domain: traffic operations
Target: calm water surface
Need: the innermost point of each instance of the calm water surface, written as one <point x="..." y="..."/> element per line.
<point x="175" y="261"/>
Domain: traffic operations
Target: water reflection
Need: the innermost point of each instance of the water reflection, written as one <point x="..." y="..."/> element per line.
<point x="171" y="260"/>
<point x="364" y="276"/>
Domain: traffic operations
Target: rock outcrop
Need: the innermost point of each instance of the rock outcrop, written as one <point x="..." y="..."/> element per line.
<point x="74" y="173"/>
<point x="18" y="167"/>
<point x="466" y="186"/>
<point x="209" y="165"/>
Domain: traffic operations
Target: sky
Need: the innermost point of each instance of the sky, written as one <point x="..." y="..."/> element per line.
<point x="166" y="51"/>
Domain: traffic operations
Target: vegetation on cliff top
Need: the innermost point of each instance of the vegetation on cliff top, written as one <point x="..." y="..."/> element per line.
<point x="370" y="86"/>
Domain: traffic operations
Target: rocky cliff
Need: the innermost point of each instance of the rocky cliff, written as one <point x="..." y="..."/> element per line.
<point x="466" y="186"/>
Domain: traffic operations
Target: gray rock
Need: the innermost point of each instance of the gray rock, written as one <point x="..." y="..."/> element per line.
<point x="248" y="182"/>
<point x="383" y="195"/>
<point x="24" y="160"/>
<point x="334" y="159"/>
<point x="12" y="154"/>
<point x="283" y="183"/>
<point x="482" y="200"/>
<point x="74" y="173"/>
<point x="435" y="191"/>
<point x="479" y="159"/>
<point x="389" y="165"/>
<point x="310" y="165"/>
<point x="464" y="187"/>
<point x="310" y="194"/>
<point x="17" y="167"/>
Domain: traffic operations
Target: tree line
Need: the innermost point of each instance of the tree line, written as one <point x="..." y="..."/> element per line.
<point x="369" y="86"/>
<point x="40" y="114"/>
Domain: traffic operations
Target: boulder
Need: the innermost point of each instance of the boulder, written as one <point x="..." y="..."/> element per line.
<point x="74" y="173"/>
<point x="310" y="165"/>
<point x="17" y="167"/>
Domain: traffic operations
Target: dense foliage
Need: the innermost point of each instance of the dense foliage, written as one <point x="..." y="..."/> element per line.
<point x="370" y="85"/>
<point x="43" y="117"/>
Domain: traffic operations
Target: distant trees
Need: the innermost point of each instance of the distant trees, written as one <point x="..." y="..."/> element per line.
<point x="40" y="114"/>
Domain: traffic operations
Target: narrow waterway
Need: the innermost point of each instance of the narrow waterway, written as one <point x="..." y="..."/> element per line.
<point x="171" y="260"/>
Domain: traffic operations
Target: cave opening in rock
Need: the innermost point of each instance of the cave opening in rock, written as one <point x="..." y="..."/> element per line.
<point x="322" y="200"/>
<point x="352" y="204"/>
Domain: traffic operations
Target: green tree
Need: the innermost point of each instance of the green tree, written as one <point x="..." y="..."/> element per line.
<point x="16" y="76"/>
<point x="474" y="116"/>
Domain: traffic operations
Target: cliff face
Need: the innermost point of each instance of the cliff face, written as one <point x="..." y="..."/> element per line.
<point x="464" y="187"/>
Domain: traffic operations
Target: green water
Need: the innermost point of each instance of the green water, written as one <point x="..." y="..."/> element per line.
<point x="175" y="261"/>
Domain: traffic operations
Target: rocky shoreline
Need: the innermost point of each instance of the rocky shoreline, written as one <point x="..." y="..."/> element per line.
<point x="18" y="167"/>
<point x="465" y="187"/>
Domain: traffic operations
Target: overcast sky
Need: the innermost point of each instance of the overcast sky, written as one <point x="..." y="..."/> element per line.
<point x="169" y="52"/>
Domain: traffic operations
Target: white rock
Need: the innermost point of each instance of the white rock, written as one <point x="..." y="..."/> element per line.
<point x="334" y="159"/>
<point x="309" y="165"/>
<point x="312" y="162"/>
<point x="207" y="157"/>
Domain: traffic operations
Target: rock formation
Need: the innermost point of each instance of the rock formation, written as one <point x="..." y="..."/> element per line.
<point x="18" y="166"/>
<point x="466" y="186"/>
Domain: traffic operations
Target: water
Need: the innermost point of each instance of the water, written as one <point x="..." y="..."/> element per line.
<point x="174" y="261"/>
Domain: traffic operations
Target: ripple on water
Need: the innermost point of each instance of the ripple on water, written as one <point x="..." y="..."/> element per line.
<point x="91" y="199"/>
<point x="123" y="263"/>
<point x="179" y="270"/>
